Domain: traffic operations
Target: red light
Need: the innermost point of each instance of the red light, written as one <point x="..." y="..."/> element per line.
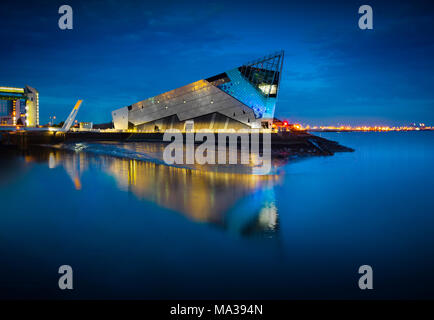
<point x="285" y="123"/>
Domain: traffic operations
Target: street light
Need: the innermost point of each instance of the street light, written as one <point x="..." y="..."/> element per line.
<point x="52" y="118"/>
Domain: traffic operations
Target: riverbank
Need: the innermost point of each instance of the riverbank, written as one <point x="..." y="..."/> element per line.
<point x="282" y="144"/>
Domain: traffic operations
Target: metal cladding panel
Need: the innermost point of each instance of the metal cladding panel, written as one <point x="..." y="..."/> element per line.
<point x="246" y="94"/>
<point x="191" y="101"/>
<point x="120" y="118"/>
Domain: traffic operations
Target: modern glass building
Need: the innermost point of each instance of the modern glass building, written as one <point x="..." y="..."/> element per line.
<point x="19" y="106"/>
<point x="244" y="97"/>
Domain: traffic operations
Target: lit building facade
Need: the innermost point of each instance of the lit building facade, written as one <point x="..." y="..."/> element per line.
<point x="244" y="97"/>
<point x="19" y="106"/>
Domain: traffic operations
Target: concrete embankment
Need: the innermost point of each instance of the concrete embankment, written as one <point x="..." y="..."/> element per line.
<point x="283" y="143"/>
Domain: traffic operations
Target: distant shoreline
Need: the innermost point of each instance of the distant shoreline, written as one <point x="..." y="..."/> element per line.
<point x="355" y="130"/>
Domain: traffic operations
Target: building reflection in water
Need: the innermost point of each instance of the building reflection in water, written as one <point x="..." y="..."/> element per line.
<point x="240" y="203"/>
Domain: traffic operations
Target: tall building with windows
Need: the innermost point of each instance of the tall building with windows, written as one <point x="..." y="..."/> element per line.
<point x="19" y="106"/>
<point x="244" y="97"/>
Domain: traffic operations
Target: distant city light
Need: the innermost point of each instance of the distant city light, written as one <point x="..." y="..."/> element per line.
<point x="300" y="127"/>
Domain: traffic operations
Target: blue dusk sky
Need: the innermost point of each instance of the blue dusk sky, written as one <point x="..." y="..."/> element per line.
<point x="120" y="52"/>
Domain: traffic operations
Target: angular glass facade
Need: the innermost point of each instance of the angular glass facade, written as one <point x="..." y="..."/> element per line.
<point x="244" y="97"/>
<point x="256" y="84"/>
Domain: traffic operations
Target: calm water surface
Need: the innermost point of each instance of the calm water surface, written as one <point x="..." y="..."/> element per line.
<point x="137" y="229"/>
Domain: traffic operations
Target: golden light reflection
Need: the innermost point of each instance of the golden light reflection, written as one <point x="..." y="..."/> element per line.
<point x="74" y="165"/>
<point x="222" y="198"/>
<point x="191" y="192"/>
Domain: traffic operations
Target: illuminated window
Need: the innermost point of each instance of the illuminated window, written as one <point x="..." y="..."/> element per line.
<point x="268" y="89"/>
